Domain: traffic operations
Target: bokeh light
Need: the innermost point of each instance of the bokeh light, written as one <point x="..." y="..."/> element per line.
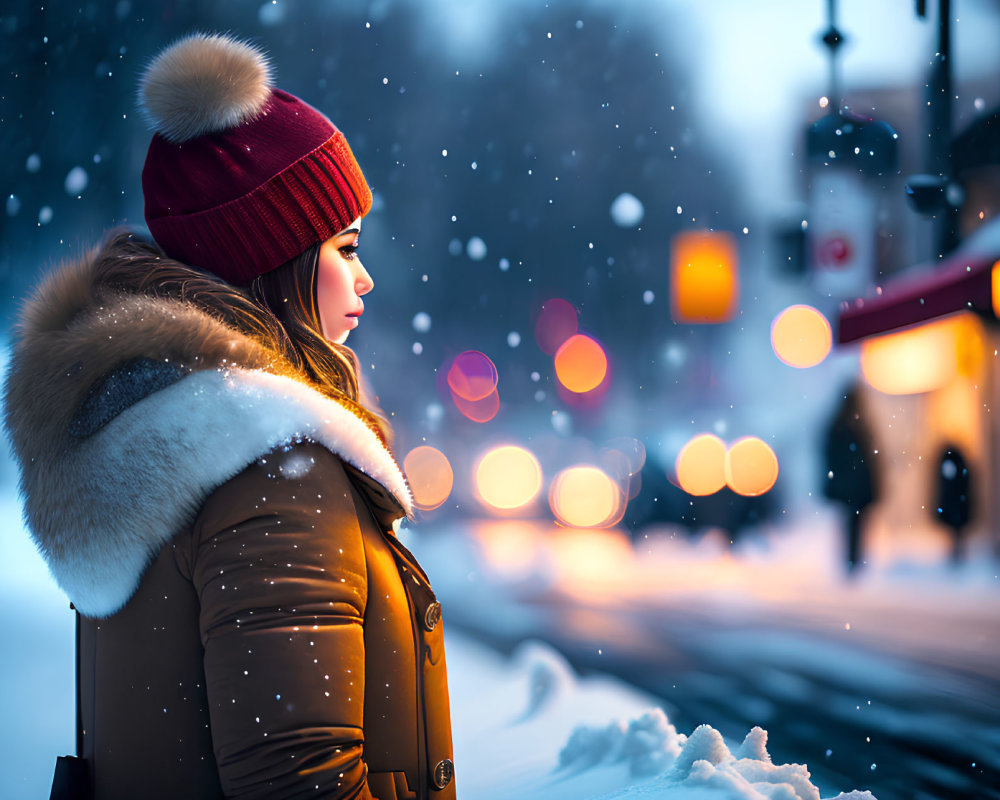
<point x="482" y="410"/>
<point x="995" y="288"/>
<point x="623" y="459"/>
<point x="633" y="449"/>
<point x="924" y="358"/>
<point x="585" y="497"/>
<point x="430" y="475"/>
<point x="701" y="465"/>
<point x="703" y="277"/>
<point x="472" y="375"/>
<point x="508" y="477"/>
<point x="557" y="321"/>
<point x="751" y="467"/>
<point x="801" y="336"/>
<point x="581" y="363"/>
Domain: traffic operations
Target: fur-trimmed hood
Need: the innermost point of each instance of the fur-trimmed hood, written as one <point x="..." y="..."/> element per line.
<point x="126" y="411"/>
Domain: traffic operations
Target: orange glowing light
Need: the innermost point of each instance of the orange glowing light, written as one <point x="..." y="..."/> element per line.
<point x="580" y="363"/>
<point x="704" y="277"/>
<point x="801" y="336"/>
<point x="995" y="284"/>
<point x="482" y="410"/>
<point x="557" y="321"/>
<point x="924" y="358"/>
<point x="472" y="375"/>
<point x="430" y="475"/>
<point x="508" y="477"/>
<point x="701" y="465"/>
<point x="751" y="467"/>
<point x="962" y="428"/>
<point x="585" y="497"/>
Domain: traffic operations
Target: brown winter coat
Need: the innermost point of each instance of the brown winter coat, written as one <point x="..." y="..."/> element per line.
<point x="252" y="627"/>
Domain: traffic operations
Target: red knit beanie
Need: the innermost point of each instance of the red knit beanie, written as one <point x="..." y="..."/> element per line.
<point x="240" y="177"/>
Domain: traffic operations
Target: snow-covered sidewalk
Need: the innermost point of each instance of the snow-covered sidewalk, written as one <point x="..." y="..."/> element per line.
<point x="527" y="726"/>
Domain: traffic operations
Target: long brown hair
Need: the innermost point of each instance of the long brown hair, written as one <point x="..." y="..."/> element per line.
<point x="278" y="310"/>
<point x="289" y="293"/>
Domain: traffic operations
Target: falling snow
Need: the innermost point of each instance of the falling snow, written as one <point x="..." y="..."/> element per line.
<point x="627" y="210"/>
<point x="476" y="249"/>
<point x="76" y="181"/>
<point x="271" y="13"/>
<point x="421" y="322"/>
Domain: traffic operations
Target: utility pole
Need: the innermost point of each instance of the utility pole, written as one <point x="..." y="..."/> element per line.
<point x="936" y="192"/>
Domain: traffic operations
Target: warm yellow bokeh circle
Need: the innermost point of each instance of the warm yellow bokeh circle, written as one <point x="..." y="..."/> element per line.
<point x="700" y="465"/>
<point x="508" y="477"/>
<point x="430" y="475"/>
<point x="751" y="467"/>
<point x="801" y="336"/>
<point x="585" y="497"/>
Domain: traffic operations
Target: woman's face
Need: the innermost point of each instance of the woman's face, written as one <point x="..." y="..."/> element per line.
<point x="341" y="280"/>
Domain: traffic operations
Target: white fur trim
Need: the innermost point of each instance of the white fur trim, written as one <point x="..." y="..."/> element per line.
<point x="203" y="84"/>
<point x="130" y="488"/>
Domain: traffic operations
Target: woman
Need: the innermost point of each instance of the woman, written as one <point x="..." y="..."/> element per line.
<point x="205" y="482"/>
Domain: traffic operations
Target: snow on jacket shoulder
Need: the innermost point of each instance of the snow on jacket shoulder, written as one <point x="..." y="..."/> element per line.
<point x="224" y="528"/>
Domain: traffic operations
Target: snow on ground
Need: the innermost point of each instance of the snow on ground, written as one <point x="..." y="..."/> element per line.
<point x="900" y="655"/>
<point x="530" y="722"/>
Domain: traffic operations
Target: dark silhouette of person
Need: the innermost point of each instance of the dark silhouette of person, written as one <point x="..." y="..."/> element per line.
<point x="850" y="477"/>
<point x="954" y="497"/>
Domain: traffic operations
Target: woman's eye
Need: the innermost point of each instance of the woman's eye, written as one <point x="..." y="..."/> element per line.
<point x="348" y="251"/>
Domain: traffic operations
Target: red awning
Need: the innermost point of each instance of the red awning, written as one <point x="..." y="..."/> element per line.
<point x="962" y="282"/>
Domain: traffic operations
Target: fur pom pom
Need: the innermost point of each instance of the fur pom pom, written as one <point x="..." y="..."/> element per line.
<point x="202" y="84"/>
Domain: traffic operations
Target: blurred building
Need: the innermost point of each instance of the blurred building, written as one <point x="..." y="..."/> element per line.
<point x="929" y="348"/>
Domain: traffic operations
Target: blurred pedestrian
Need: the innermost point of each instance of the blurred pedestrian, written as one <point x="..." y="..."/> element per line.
<point x="850" y="477"/>
<point x="954" y="497"/>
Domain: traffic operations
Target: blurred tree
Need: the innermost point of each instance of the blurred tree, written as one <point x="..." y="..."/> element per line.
<point x="495" y="151"/>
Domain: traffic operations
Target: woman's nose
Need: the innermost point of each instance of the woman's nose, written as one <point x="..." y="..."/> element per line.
<point x="363" y="282"/>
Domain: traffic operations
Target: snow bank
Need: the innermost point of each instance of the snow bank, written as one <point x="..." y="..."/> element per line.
<point x="531" y="720"/>
<point x="648" y="744"/>
<point x="702" y="761"/>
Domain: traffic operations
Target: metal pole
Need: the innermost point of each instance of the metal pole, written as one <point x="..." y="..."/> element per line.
<point x="833" y="39"/>
<point x="939" y="101"/>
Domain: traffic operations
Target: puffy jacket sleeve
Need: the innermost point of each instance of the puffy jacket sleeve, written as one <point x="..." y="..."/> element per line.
<point x="278" y="563"/>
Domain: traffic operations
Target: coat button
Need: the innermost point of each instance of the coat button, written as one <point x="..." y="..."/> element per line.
<point x="432" y="616"/>
<point x="443" y="772"/>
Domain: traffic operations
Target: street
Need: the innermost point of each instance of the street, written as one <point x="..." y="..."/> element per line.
<point x="901" y="700"/>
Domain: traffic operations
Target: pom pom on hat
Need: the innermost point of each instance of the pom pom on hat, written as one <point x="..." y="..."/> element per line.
<point x="240" y="177"/>
<point x="204" y="84"/>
